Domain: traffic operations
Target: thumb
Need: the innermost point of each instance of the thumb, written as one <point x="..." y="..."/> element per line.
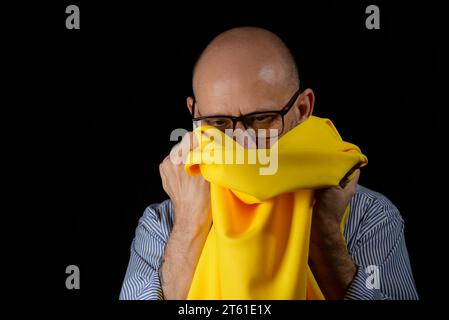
<point x="350" y="176"/>
<point x="355" y="179"/>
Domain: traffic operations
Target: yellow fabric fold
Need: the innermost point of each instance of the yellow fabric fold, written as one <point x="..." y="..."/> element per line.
<point x="258" y="245"/>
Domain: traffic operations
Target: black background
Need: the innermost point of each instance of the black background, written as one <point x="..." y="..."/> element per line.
<point x="111" y="93"/>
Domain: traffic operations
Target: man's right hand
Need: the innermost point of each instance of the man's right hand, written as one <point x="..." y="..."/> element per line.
<point x="190" y="196"/>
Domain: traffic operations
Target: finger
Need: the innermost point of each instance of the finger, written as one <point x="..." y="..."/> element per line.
<point x="355" y="179"/>
<point x="163" y="174"/>
<point x="347" y="178"/>
<point x="356" y="176"/>
<point x="163" y="164"/>
<point x="177" y="153"/>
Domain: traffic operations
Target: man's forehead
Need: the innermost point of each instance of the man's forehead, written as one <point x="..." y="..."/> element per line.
<point x="241" y="100"/>
<point x="250" y="81"/>
<point x="241" y="67"/>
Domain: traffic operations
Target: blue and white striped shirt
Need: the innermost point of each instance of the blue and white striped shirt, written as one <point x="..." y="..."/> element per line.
<point x="374" y="234"/>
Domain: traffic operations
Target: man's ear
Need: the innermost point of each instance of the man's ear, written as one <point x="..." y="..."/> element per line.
<point x="306" y="103"/>
<point x="189" y="104"/>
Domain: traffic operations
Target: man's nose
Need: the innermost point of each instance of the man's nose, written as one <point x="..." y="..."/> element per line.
<point x="239" y="125"/>
<point x="242" y="137"/>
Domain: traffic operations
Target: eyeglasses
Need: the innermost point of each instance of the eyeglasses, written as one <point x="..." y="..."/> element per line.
<point x="265" y="120"/>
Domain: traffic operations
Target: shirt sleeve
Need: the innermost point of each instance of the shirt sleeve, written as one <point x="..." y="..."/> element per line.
<point x="147" y="249"/>
<point x="383" y="265"/>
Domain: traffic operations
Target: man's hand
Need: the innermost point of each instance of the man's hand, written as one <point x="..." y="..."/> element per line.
<point x="190" y="195"/>
<point x="330" y="205"/>
<point x="191" y="200"/>
<point x="329" y="259"/>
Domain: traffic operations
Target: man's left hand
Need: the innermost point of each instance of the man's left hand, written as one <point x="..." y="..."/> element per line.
<point x="329" y="259"/>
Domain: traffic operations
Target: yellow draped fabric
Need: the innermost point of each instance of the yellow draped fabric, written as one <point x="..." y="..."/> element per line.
<point x="258" y="245"/>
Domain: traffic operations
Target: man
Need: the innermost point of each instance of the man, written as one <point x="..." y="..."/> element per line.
<point x="241" y="71"/>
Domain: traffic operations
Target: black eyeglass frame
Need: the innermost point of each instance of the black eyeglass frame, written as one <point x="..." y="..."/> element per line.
<point x="236" y="119"/>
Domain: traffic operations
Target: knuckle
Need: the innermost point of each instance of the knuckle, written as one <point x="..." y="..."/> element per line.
<point x="163" y="164"/>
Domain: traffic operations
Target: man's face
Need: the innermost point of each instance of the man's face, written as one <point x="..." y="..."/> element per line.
<point x="243" y="93"/>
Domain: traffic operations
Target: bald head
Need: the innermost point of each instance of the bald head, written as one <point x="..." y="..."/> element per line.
<point x="244" y="70"/>
<point x="247" y="49"/>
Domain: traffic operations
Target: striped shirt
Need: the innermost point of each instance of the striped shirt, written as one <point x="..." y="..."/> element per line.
<point x="374" y="235"/>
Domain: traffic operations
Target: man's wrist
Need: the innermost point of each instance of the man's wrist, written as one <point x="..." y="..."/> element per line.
<point x="183" y="249"/>
<point x="193" y="218"/>
<point x="187" y="234"/>
<point x="190" y="224"/>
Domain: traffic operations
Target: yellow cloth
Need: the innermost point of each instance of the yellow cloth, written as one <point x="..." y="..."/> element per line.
<point x="258" y="245"/>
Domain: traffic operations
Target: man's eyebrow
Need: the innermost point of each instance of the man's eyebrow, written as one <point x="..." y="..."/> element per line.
<point x="266" y="107"/>
<point x="211" y="115"/>
<point x="214" y="115"/>
<point x="272" y="107"/>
